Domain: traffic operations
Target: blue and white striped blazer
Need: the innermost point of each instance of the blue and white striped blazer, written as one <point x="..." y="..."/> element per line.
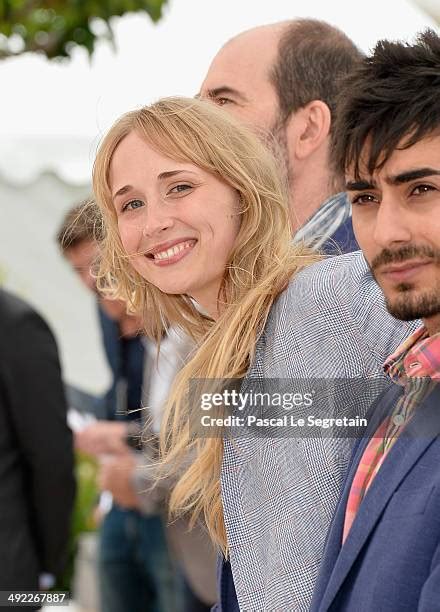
<point x="279" y="494"/>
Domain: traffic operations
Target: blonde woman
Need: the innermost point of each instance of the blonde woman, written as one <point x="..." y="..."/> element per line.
<point x="197" y="232"/>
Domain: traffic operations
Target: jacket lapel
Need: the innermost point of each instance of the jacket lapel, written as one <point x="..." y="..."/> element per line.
<point x="420" y="434"/>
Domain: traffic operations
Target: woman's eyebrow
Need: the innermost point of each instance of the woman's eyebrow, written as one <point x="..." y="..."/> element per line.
<point x="122" y="191"/>
<point x="163" y="175"/>
<point x="170" y="173"/>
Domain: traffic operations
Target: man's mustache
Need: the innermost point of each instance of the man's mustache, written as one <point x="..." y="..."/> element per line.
<point x="408" y="252"/>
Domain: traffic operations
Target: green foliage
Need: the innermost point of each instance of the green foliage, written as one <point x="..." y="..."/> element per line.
<point x="55" y="27"/>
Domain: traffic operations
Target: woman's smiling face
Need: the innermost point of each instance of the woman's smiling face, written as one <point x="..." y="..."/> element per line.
<point x="178" y="223"/>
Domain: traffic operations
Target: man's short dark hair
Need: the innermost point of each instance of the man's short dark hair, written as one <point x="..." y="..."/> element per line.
<point x="394" y="95"/>
<point x="82" y="223"/>
<point x="313" y="57"/>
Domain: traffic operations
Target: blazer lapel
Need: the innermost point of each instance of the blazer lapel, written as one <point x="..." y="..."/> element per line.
<point x="419" y="435"/>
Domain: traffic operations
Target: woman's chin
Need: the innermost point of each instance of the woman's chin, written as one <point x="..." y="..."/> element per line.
<point x="172" y="289"/>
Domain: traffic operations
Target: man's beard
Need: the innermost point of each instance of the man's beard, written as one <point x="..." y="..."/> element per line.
<point x="276" y="141"/>
<point x="408" y="306"/>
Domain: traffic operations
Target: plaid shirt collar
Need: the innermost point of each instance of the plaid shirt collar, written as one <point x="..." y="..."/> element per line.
<point x="417" y="357"/>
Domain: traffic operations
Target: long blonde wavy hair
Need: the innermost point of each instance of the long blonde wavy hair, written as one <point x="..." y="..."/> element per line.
<point x="260" y="266"/>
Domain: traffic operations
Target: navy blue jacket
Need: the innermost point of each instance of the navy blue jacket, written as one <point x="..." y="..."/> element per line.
<point x="226" y="590"/>
<point x="125" y="357"/>
<point x="391" y="558"/>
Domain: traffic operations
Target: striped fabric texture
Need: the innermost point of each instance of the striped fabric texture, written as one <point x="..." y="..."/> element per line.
<point x="325" y="221"/>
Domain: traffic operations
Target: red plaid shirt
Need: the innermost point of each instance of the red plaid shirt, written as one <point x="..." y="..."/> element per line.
<point x="416" y="366"/>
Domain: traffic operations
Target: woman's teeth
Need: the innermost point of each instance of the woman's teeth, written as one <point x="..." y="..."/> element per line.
<point x="178" y="248"/>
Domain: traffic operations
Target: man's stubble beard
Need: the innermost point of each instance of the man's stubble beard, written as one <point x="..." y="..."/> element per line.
<point x="410" y="304"/>
<point x="276" y="141"/>
<point x="407" y="307"/>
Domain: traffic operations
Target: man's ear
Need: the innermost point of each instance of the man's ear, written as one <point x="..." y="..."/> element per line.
<point x="308" y="128"/>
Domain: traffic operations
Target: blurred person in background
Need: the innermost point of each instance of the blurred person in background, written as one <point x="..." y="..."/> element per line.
<point x="123" y="346"/>
<point x="127" y="477"/>
<point x="135" y="571"/>
<point x="282" y="80"/>
<point x="37" y="485"/>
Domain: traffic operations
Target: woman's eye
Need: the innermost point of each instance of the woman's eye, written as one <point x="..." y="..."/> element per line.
<point x="222" y="101"/>
<point x="132" y="205"/>
<point x="181" y="188"/>
<point x="364" y="198"/>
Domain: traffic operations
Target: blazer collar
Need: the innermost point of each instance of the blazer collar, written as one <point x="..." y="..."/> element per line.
<point x="420" y="434"/>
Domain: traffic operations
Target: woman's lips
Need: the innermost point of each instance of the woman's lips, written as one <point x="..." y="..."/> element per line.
<point x="166" y="256"/>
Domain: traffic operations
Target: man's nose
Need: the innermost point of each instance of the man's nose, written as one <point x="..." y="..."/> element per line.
<point x="392" y="223"/>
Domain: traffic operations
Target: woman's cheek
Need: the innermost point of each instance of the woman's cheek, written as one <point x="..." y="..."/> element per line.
<point x="130" y="237"/>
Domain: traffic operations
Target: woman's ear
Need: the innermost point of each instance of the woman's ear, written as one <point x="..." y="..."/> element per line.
<point x="308" y="128"/>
